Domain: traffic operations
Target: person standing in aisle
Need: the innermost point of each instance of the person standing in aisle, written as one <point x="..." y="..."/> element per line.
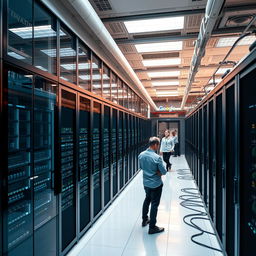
<point x="176" y="143"/>
<point x="166" y="149"/>
<point x="152" y="167"/>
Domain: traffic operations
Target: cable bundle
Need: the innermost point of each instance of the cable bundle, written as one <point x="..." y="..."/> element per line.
<point x="192" y="200"/>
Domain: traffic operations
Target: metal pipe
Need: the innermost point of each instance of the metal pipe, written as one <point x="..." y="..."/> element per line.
<point x="213" y="9"/>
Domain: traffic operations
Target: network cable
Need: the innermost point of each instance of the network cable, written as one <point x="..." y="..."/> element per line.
<point x="192" y="200"/>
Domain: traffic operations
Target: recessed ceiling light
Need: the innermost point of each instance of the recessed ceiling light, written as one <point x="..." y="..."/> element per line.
<point x="16" y="56"/>
<point x="64" y="52"/>
<point x="159" y="47"/>
<point x="221" y="71"/>
<point x="39" y="32"/>
<point x="217" y="80"/>
<point x="64" y="78"/>
<point x="166" y="92"/>
<point x="157" y="24"/>
<point x="229" y="41"/>
<point x="161" y="62"/>
<point x="95" y="77"/>
<point x="80" y="66"/>
<point x="164" y="74"/>
<point x="165" y="83"/>
<point x="42" y="68"/>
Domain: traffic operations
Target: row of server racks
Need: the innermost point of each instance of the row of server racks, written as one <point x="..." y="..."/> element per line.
<point x="67" y="149"/>
<point x="64" y="158"/>
<point x="221" y="152"/>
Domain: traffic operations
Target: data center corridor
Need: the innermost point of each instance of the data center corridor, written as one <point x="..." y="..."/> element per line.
<point x="119" y="232"/>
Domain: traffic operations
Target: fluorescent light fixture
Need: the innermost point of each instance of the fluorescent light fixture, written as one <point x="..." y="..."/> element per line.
<point x="165" y="83"/>
<point x="164" y="74"/>
<point x="159" y="47"/>
<point x="42" y="68"/>
<point x="167" y="95"/>
<point x="99" y="86"/>
<point x="161" y="62"/>
<point x="221" y="71"/>
<point x="217" y="80"/>
<point x="156" y="24"/>
<point x="39" y="32"/>
<point x="95" y="77"/>
<point x="16" y="56"/>
<point x="166" y="92"/>
<point x="64" y="52"/>
<point x="80" y="66"/>
<point x="229" y="41"/>
<point x="64" y="78"/>
<point x="209" y="88"/>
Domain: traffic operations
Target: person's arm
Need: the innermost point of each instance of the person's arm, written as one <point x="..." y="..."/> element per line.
<point x="172" y="145"/>
<point x="161" y="147"/>
<point x="160" y="166"/>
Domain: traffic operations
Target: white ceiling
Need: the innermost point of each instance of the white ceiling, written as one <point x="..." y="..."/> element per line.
<point x="213" y="55"/>
<point x="132" y="7"/>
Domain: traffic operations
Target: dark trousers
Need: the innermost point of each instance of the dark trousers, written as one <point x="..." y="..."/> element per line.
<point x="177" y="149"/>
<point x="153" y="196"/>
<point x="166" y="157"/>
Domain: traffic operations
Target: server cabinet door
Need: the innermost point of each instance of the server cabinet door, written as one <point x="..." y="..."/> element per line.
<point x="200" y="168"/>
<point x="120" y="151"/>
<point x="130" y="146"/>
<point x="133" y="147"/>
<point x="67" y="169"/>
<point x="106" y="155"/>
<point x="45" y="203"/>
<point x="219" y="166"/>
<point x="248" y="164"/>
<point x="125" y="146"/>
<point x="96" y="158"/>
<point x="114" y="152"/>
<point x="18" y="218"/>
<point x="84" y="163"/>
<point x="230" y="170"/>
<point x="205" y="150"/>
<point x="211" y="174"/>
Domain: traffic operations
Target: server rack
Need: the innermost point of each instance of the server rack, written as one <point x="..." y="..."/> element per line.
<point x="226" y="120"/>
<point x="54" y="134"/>
<point x="114" y="153"/>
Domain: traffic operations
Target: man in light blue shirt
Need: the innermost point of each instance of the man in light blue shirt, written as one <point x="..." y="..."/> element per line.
<point x="152" y="166"/>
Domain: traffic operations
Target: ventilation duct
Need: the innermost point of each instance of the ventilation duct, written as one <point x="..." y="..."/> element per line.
<point x="212" y="11"/>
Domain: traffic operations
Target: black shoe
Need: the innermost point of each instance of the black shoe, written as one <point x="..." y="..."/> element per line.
<point x="155" y="230"/>
<point x="145" y="223"/>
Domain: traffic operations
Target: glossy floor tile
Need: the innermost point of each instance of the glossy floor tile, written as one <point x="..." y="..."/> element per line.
<point x="119" y="233"/>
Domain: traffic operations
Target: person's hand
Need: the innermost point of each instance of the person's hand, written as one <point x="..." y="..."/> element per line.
<point x="159" y="173"/>
<point x="160" y="153"/>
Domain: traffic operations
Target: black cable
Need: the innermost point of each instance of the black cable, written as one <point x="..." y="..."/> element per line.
<point x="192" y="200"/>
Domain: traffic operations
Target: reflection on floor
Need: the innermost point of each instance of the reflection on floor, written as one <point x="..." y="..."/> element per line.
<point x="119" y="232"/>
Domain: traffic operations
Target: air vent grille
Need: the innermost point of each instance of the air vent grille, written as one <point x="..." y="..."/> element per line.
<point x="193" y="21"/>
<point x="103" y="5"/>
<point x="116" y="28"/>
<point x="161" y="55"/>
<point x="127" y="48"/>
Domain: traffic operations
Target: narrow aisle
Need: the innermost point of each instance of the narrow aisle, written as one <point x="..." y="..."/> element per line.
<point x="119" y="232"/>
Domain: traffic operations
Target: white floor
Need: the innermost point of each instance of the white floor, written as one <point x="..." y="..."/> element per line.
<point x="119" y="232"/>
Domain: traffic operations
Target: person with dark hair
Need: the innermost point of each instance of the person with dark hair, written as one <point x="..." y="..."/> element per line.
<point x="166" y="149"/>
<point x="176" y="143"/>
<point x="152" y="166"/>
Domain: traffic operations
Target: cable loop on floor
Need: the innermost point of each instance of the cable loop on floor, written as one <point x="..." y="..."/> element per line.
<point x="192" y="200"/>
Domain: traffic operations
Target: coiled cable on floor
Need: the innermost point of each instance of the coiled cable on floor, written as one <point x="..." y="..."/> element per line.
<point x="192" y="200"/>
